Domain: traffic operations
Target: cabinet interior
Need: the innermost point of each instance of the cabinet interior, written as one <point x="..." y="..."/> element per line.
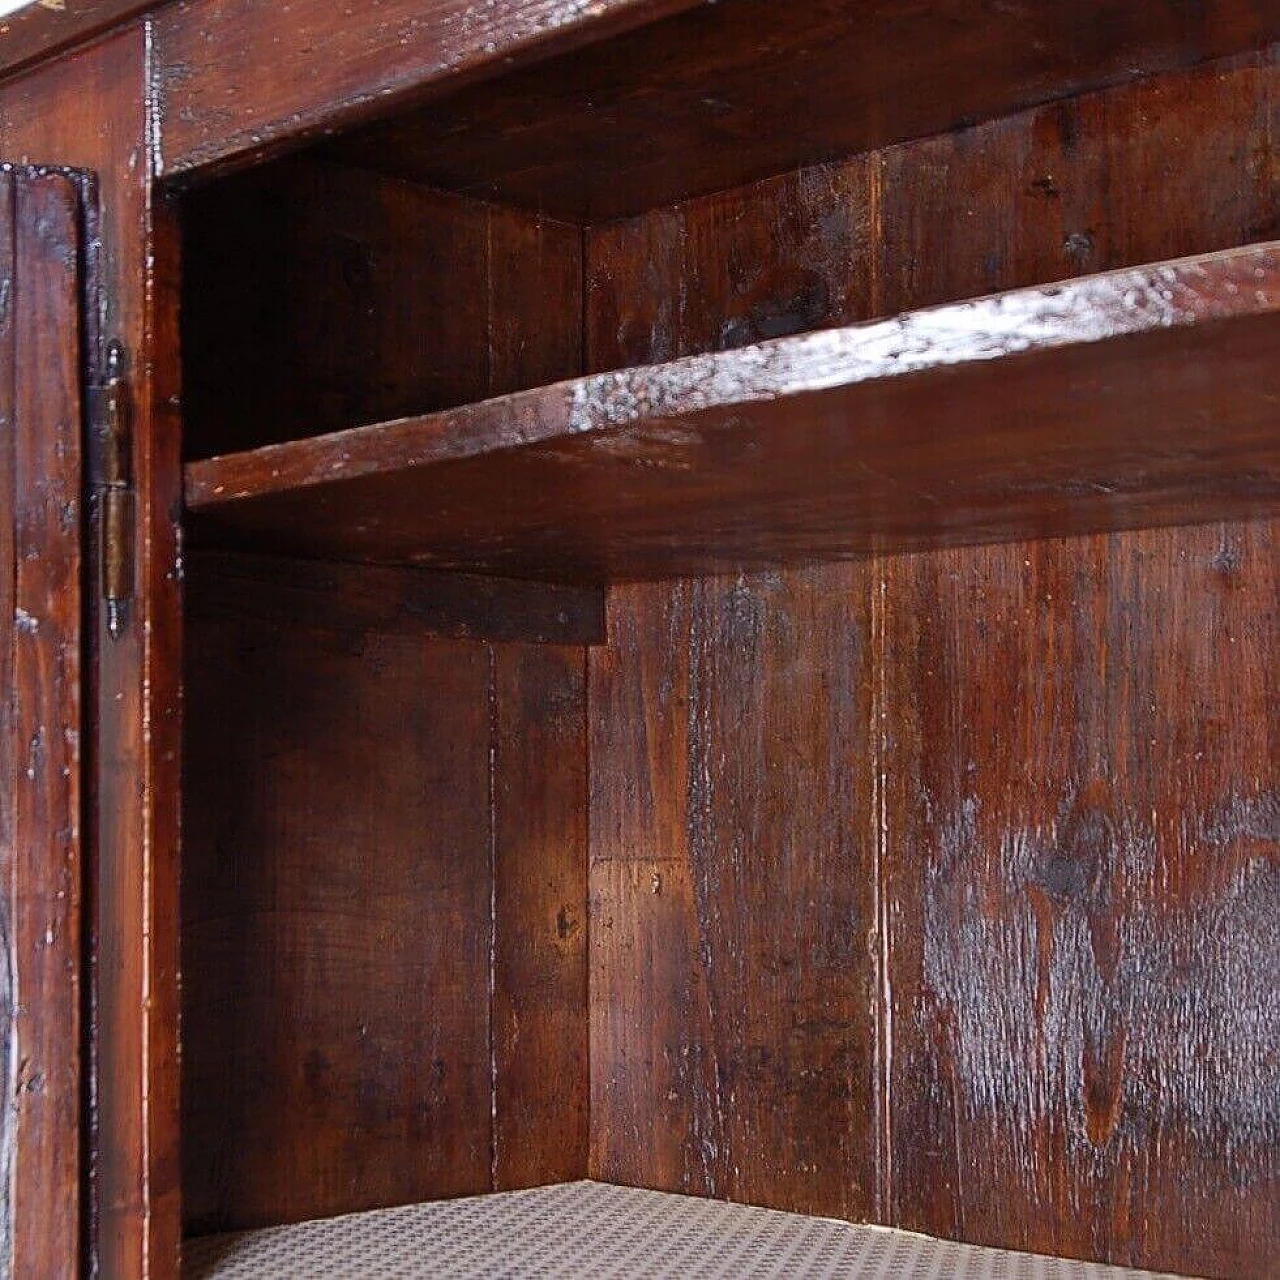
<point x="900" y="869"/>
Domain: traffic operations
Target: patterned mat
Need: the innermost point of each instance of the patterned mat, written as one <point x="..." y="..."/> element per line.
<point x="589" y="1229"/>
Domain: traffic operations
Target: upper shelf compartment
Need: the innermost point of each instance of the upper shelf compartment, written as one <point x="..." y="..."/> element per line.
<point x="722" y="94"/>
<point x="1139" y="397"/>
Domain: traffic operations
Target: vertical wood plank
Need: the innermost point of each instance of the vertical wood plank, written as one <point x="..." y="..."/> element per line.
<point x="540" y="1045"/>
<point x="1082" y="839"/>
<point x="336" y="923"/>
<point x="89" y="109"/>
<point x="40" y="404"/>
<point x="8" y="788"/>
<point x="649" y="1035"/>
<point x="733" y="891"/>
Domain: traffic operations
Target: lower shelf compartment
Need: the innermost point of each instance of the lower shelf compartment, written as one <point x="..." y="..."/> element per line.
<point x="610" y="1233"/>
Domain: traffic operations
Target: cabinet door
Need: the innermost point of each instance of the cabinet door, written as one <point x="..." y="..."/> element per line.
<point x="41" y="514"/>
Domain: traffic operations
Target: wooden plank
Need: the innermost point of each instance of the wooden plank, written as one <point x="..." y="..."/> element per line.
<point x="39" y="30"/>
<point x="1008" y="205"/>
<point x="1080" y="843"/>
<point x="336" y="923"/>
<point x="733" y="892"/>
<point x="235" y="75"/>
<point x="539" y="1018"/>
<point x="40" y="403"/>
<point x="576" y="136"/>
<point x="1014" y="203"/>
<point x="390" y="600"/>
<point x="1016" y="414"/>
<point x="8" y="753"/>
<point x="319" y="297"/>
<point x="89" y="110"/>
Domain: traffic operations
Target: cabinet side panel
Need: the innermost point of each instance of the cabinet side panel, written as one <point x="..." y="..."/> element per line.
<point x="336" y="926"/>
<point x="540" y="1049"/>
<point x="318" y="297"/>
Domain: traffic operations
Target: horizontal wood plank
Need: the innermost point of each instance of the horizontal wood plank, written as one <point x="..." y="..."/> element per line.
<point x="1139" y="397"/>
<point x="238" y="75"/>
<point x="389" y="600"/>
<point x="43" y="27"/>
<point x="692" y="105"/>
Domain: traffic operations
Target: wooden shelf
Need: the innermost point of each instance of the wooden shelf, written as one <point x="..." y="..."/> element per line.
<point x="1140" y="397"/>
<point x="575" y="136"/>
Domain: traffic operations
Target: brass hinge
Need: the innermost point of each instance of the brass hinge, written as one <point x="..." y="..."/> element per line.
<point x="111" y="483"/>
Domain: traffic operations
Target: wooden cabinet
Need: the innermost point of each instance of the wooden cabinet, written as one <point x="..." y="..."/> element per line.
<point x="682" y="597"/>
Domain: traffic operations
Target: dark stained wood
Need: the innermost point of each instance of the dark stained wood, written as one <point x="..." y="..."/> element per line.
<point x="40" y="803"/>
<point x="384" y="906"/>
<point x="1037" y="197"/>
<point x="733" y="892"/>
<point x="692" y="105"/>
<point x="89" y="110"/>
<point x="390" y="600"/>
<point x="40" y="28"/>
<point x="781" y="257"/>
<point x="318" y="297"/>
<point x="1072" y="188"/>
<point x="1118" y="1152"/>
<point x="8" y="746"/>
<point x="1015" y="415"/>
<point x="1081" y="839"/>
<point x="540" y="1013"/>
<point x="236" y="75"/>
<point x="336" y="923"/>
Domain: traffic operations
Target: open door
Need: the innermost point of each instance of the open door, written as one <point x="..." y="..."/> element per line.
<point x="42" y="365"/>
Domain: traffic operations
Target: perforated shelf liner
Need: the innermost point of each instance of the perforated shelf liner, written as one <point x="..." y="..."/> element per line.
<point x="591" y="1230"/>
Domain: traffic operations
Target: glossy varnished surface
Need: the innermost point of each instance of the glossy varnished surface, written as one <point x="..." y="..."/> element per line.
<point x="985" y="679"/>
<point x="1139" y="397"/>
<point x="89" y="109"/>
<point x="40" y="742"/>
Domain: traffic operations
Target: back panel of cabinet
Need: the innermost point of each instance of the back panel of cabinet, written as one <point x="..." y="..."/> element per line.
<point x="941" y="890"/>
<point x="934" y="890"/>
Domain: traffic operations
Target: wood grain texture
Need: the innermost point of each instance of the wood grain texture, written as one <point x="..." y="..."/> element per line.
<point x="319" y="297"/>
<point x="692" y="105"/>
<point x="384" y="909"/>
<point x="237" y="75"/>
<point x="1012" y="416"/>
<point x="336" y="927"/>
<point x="88" y="109"/>
<point x="1084" y="941"/>
<point x="1037" y="197"/>
<point x="40" y="30"/>
<point x="1110" y="1137"/>
<point x="40" y="809"/>
<point x="540" y="1043"/>
<point x="733" y="893"/>
<point x="368" y="598"/>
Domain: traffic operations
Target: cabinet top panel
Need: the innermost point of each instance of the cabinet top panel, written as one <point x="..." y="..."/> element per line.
<point x="602" y="108"/>
<point x="34" y="29"/>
